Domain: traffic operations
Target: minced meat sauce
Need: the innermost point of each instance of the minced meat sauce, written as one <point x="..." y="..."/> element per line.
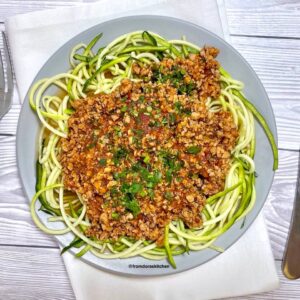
<point x="150" y="152"/>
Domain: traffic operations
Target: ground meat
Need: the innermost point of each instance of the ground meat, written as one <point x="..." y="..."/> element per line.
<point x="150" y="152"/>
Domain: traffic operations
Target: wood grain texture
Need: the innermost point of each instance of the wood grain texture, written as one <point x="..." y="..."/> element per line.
<point x="280" y="18"/>
<point x="35" y="272"/>
<point x="276" y="62"/>
<point x="43" y="271"/>
<point x="278" y="66"/>
<point x="278" y="208"/>
<point x="9" y="123"/>
<point x="16" y="226"/>
<point x="287" y="115"/>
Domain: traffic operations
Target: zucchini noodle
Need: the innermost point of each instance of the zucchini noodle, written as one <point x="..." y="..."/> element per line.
<point x="87" y="75"/>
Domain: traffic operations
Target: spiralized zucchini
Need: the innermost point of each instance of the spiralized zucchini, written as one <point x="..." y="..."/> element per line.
<point x="87" y="75"/>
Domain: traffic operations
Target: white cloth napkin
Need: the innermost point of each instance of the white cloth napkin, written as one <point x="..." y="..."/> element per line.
<point x="245" y="268"/>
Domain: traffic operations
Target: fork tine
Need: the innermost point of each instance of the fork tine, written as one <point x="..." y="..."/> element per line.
<point x="8" y="87"/>
<point x="2" y="88"/>
<point x="9" y="73"/>
<point x="2" y="81"/>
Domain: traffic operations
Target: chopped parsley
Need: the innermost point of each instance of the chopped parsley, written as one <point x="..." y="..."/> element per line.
<point x="118" y="131"/>
<point x="169" y="175"/>
<point x="168" y="195"/>
<point x="119" y="154"/>
<point x="124" y="108"/>
<point x="102" y="162"/>
<point x="141" y="98"/>
<point x="135" y="188"/>
<point x="114" y="192"/>
<point x="169" y="120"/>
<point x="138" y="132"/>
<point x="120" y="175"/>
<point x="115" y="215"/>
<point x="180" y="109"/>
<point x="146" y="159"/>
<point x="154" y="123"/>
<point x="90" y="146"/>
<point x="186" y="88"/>
<point x="128" y="192"/>
<point x="172" y="164"/>
<point x="172" y="119"/>
<point x="151" y="194"/>
<point x="193" y="150"/>
<point x="175" y="78"/>
<point x="149" y="108"/>
<point x="133" y="206"/>
<point x="129" y="201"/>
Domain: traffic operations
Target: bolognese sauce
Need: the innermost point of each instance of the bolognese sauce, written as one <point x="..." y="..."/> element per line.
<point x="151" y="151"/>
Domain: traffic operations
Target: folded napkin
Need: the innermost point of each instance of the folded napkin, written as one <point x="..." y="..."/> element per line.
<point x="248" y="266"/>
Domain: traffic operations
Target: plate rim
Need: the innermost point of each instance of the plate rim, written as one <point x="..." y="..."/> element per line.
<point x="166" y="18"/>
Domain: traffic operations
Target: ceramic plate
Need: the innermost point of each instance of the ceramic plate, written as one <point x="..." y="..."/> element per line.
<point x="230" y="59"/>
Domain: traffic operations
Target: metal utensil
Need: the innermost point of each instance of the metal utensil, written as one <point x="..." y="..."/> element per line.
<point x="6" y="84"/>
<point x="291" y="261"/>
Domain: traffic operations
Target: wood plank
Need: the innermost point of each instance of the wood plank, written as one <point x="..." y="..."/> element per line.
<point x="35" y="273"/>
<point x="279" y="206"/>
<point x="275" y="62"/>
<point x="277" y="18"/>
<point x="8" y="124"/>
<point x="280" y="75"/>
<point x="287" y="115"/>
<point x="16" y="224"/>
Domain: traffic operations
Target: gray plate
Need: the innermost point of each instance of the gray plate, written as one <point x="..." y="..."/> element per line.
<point x="230" y="59"/>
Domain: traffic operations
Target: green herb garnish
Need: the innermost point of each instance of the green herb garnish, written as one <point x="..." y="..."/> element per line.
<point x="146" y="159"/>
<point x="124" y="108"/>
<point x="169" y="175"/>
<point x="118" y="131"/>
<point x="91" y="145"/>
<point x="115" y="215"/>
<point x="193" y="150"/>
<point x="186" y="88"/>
<point x="119" y="154"/>
<point x="168" y="195"/>
<point x="133" y="206"/>
<point x="102" y="162"/>
<point x="180" y="109"/>
<point x="172" y="119"/>
<point x="135" y="188"/>
<point x="142" y="98"/>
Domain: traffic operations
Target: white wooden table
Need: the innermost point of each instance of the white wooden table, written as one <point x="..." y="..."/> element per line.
<point x="267" y="33"/>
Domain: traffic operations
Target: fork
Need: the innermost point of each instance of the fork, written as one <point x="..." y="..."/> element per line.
<point x="6" y="82"/>
<point x="291" y="259"/>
